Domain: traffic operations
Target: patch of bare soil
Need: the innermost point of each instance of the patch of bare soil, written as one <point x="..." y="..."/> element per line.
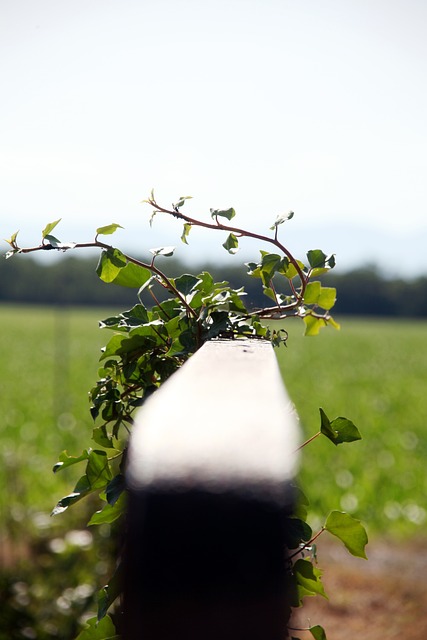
<point x="379" y="599"/>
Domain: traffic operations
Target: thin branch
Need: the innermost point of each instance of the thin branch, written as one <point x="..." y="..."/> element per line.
<point x="102" y="245"/>
<point x="304" y="444"/>
<point x="242" y="232"/>
<point x="306" y="544"/>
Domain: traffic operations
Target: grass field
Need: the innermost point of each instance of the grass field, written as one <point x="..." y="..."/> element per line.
<point x="373" y="372"/>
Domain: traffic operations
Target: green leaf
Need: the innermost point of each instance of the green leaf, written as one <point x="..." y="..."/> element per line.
<point x="98" y="469"/>
<point x="67" y="461"/>
<point x="288" y="269"/>
<point x="185" y="232"/>
<point x="101" y="437"/>
<point x="50" y="227"/>
<point x="53" y="241"/>
<point x="312" y="292"/>
<point x="313" y="325"/>
<point x="223" y="213"/>
<point x="115" y="489"/>
<point x="327" y="297"/>
<point x="338" y="430"/>
<point x="231" y="244"/>
<point x="308" y="578"/>
<point x="318" y="632"/>
<point x="103" y="629"/>
<point x="109" y="513"/>
<point x="81" y="489"/>
<point x="186" y="283"/>
<point x="108" y="594"/>
<point x="12" y="239"/>
<point x="282" y="218"/>
<point x="108" y="229"/>
<point x="109" y="265"/>
<point x="181" y="201"/>
<point x="333" y="323"/>
<point x="329" y="264"/>
<point x="296" y="531"/>
<point x="132" y="275"/>
<point x="254" y="269"/>
<point x="205" y="284"/>
<point x="316" y="258"/>
<point x="270" y="263"/>
<point x="98" y="474"/>
<point x="349" y="530"/>
<point x="163" y="251"/>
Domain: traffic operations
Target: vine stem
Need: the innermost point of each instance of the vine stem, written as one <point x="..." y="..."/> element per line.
<point x="307" y="544"/>
<point x="102" y="245"/>
<point x="304" y="444"/>
<point x="237" y="231"/>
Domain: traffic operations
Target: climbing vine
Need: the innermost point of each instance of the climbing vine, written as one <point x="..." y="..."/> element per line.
<point x="171" y="319"/>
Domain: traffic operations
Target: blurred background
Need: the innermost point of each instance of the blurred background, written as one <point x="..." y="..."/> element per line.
<point x="266" y="106"/>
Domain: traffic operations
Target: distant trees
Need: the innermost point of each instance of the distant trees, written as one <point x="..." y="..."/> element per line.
<point x="74" y="281"/>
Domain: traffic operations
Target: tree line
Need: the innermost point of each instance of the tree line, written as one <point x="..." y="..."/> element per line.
<point x="73" y="281"/>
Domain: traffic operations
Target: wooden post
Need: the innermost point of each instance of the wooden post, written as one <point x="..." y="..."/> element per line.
<point x="210" y="470"/>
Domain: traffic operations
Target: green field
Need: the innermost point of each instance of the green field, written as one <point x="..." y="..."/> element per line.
<point x="372" y="372"/>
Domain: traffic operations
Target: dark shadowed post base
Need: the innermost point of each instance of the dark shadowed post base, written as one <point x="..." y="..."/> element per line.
<point x="205" y="566"/>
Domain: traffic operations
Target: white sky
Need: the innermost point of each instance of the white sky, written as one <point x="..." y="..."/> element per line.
<point x="264" y="105"/>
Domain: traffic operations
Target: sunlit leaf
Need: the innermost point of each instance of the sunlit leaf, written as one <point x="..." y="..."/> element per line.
<point x="186" y="230"/>
<point x="349" y="530"/>
<point x="132" y="275"/>
<point x="312" y="292"/>
<point x="108" y="229"/>
<point x="281" y="219"/>
<point x="327" y="297"/>
<point x="163" y="251"/>
<point x="254" y="269"/>
<point x="289" y="270"/>
<point x="50" y="227"/>
<point x="12" y="239"/>
<point x="109" y="265"/>
<point x="95" y="629"/>
<point x="313" y="325"/>
<point x="333" y="323"/>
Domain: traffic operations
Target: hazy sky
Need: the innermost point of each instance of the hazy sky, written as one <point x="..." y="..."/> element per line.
<point x="264" y="105"/>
